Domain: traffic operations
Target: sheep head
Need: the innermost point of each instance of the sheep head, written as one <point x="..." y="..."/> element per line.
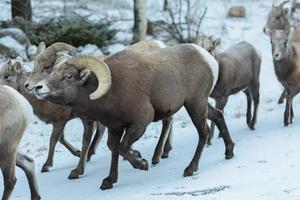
<point x="44" y="61"/>
<point x="280" y="43"/>
<point x="11" y="72"/>
<point x="278" y="18"/>
<point x="209" y="43"/>
<point x="63" y="84"/>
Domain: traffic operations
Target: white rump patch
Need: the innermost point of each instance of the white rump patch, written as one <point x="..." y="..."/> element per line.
<point x="160" y="44"/>
<point x="25" y="106"/>
<point x="211" y="61"/>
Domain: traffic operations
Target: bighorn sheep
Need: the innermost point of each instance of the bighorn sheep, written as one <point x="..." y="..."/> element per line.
<point x="14" y="75"/>
<point x="48" y="57"/>
<point x="130" y="89"/>
<point x="239" y="69"/>
<point x="278" y="19"/>
<point x="286" y="63"/>
<point x="15" y="115"/>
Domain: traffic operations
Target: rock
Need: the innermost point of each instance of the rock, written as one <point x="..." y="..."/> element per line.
<point x="17" y="34"/>
<point x="90" y="49"/>
<point x="31" y="51"/>
<point x="237" y="11"/>
<point x="12" y="48"/>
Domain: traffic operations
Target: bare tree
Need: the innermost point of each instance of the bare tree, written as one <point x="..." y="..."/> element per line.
<point x="140" y="20"/>
<point x="165" y="5"/>
<point x="184" y="19"/>
<point x="21" y="8"/>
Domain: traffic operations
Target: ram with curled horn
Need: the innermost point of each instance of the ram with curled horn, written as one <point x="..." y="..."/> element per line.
<point x="145" y="86"/>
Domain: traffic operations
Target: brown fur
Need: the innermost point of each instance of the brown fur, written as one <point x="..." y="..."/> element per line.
<point x="146" y="87"/>
<point x="14" y="75"/>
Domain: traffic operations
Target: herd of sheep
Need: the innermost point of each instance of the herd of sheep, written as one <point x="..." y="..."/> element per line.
<point x="125" y="92"/>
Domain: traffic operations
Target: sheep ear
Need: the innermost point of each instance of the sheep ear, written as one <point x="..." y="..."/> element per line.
<point x="41" y="47"/>
<point x="268" y="31"/>
<point x="84" y="74"/>
<point x="285" y="12"/>
<point x="18" y="65"/>
<point x="217" y="42"/>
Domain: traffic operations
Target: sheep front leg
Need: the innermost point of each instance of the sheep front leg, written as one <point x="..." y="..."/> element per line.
<point x="57" y="130"/>
<point x="166" y="130"/>
<point x="70" y="147"/>
<point x="217" y="117"/>
<point x="8" y="171"/>
<point x="87" y="135"/>
<point x="220" y="104"/>
<point x="282" y="97"/>
<point x="27" y="165"/>
<point x="133" y="133"/>
<point x="96" y="140"/>
<point x="113" y="142"/>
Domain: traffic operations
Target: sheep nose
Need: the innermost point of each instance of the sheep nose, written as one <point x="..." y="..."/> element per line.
<point x="26" y="86"/>
<point x="277" y="55"/>
<point x="264" y="30"/>
<point x="38" y="87"/>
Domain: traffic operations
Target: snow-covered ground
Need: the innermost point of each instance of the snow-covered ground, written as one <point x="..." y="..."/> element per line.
<point x="266" y="163"/>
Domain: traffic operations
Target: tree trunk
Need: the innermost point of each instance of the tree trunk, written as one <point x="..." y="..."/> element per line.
<point x="140" y="20"/>
<point x="165" y="5"/>
<point x="21" y="8"/>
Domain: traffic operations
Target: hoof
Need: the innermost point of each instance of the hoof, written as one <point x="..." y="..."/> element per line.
<point x="77" y="154"/>
<point x="144" y="165"/>
<point x="165" y="155"/>
<point x="208" y="143"/>
<point x="74" y="174"/>
<point x="89" y="157"/>
<point x="45" y="168"/>
<point x="37" y="197"/>
<point x="280" y="101"/>
<point x="189" y="171"/>
<point x="229" y="156"/>
<point x="155" y="161"/>
<point x="107" y="183"/>
<point x="229" y="152"/>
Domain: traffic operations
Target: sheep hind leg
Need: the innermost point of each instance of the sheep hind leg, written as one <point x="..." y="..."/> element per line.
<point x="55" y="136"/>
<point x="27" y="165"/>
<point x="96" y="140"/>
<point x="220" y="104"/>
<point x="113" y="142"/>
<point x="167" y="123"/>
<point x="8" y="171"/>
<point x="86" y="140"/>
<point x="255" y="95"/>
<point x="198" y="113"/>
<point x="217" y="116"/>
<point x="249" y="106"/>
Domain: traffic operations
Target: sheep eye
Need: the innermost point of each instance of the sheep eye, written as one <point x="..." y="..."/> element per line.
<point x="46" y="67"/>
<point x="68" y="76"/>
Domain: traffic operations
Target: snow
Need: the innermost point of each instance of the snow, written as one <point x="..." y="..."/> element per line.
<point x="266" y="163"/>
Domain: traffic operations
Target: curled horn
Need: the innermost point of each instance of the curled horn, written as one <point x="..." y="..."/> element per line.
<point x="50" y="52"/>
<point x="97" y="66"/>
<point x="282" y="4"/>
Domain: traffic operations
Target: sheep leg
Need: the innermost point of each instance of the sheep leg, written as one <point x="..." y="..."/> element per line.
<point x="168" y="145"/>
<point x="27" y="165"/>
<point x="55" y="135"/>
<point x="132" y="134"/>
<point x="97" y="138"/>
<point x="217" y="117"/>
<point x="220" y="104"/>
<point x="282" y="97"/>
<point x="249" y="106"/>
<point x="198" y="113"/>
<point x="113" y="142"/>
<point x="288" y="113"/>
<point x="86" y="140"/>
<point x="167" y="123"/>
<point x="70" y="147"/>
<point x="255" y="95"/>
<point x="292" y="114"/>
<point x="8" y="171"/>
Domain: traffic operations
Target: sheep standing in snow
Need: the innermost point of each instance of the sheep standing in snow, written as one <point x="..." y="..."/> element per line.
<point x="239" y="69"/>
<point x="15" y="115"/>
